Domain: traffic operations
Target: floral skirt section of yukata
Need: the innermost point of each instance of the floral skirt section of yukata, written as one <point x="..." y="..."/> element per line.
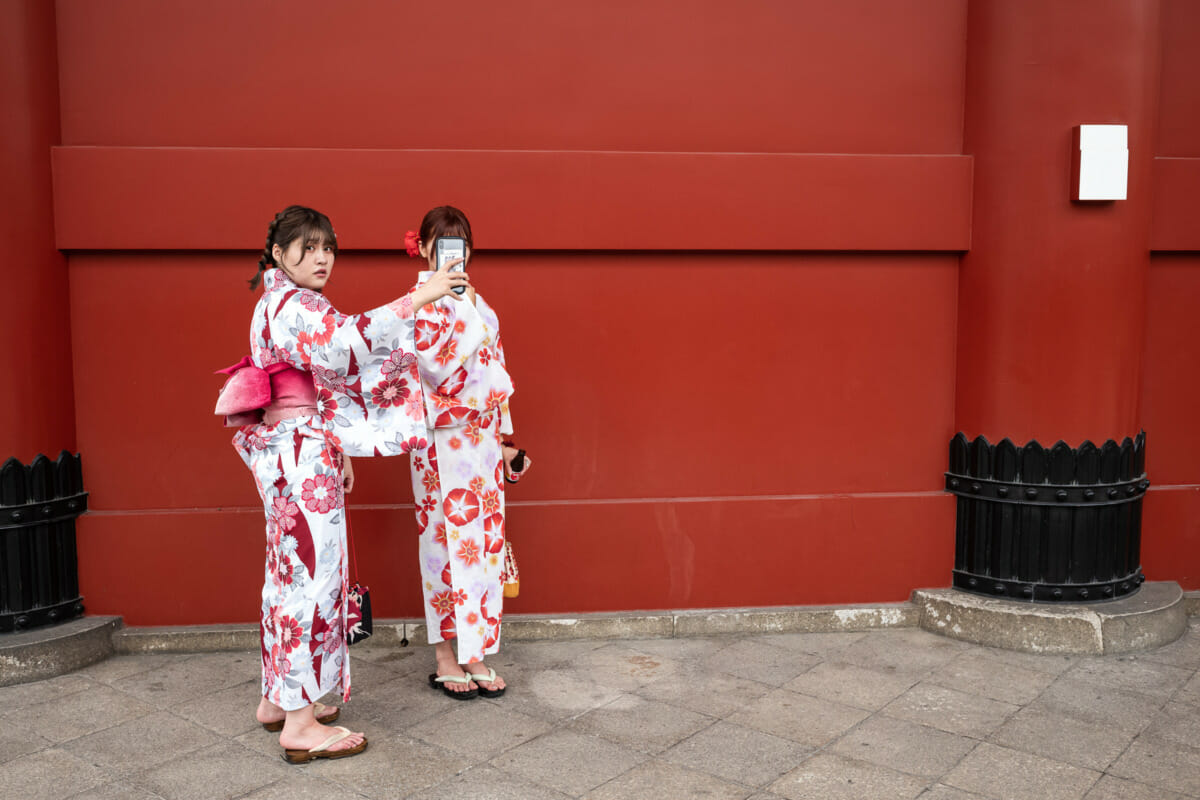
<point x="299" y="477"/>
<point x="458" y="489"/>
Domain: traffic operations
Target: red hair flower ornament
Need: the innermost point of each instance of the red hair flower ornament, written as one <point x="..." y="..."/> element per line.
<point x="412" y="243"/>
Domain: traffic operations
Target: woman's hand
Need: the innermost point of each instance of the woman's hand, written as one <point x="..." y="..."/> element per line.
<point x="347" y="475"/>
<point x="509" y="454"/>
<point x="441" y="284"/>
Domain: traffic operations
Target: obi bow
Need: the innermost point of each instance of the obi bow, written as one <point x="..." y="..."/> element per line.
<point x="247" y="391"/>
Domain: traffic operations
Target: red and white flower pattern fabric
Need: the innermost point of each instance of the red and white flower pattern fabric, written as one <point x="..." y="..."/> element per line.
<point x="297" y="466"/>
<point x="458" y="478"/>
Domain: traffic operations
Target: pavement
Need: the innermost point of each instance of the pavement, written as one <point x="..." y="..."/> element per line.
<point x="890" y="713"/>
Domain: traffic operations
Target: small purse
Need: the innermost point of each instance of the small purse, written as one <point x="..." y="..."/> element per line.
<point x="509" y="575"/>
<point x="359" y="624"/>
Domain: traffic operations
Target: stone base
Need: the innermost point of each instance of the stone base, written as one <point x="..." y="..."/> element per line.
<point x="1155" y="616"/>
<point x="187" y="639"/>
<point x="56" y="649"/>
<point x="1192" y="601"/>
<point x="928" y="607"/>
<point x="532" y="627"/>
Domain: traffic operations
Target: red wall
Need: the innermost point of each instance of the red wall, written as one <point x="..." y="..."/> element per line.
<point x="699" y="385"/>
<point x="724" y="243"/>
<point x="1171" y="379"/>
<point x="36" y="403"/>
<point x="1052" y="292"/>
<point x="699" y="440"/>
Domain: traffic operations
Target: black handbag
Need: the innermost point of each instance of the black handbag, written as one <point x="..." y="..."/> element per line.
<point x="359" y="624"/>
<point x="358" y="614"/>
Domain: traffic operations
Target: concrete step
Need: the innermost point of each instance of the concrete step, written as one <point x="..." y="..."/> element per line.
<point x="55" y="650"/>
<point x="538" y="627"/>
<point x="1154" y="616"/>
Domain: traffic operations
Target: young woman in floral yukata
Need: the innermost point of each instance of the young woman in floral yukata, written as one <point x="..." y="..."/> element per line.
<point x="458" y="475"/>
<point x="342" y="385"/>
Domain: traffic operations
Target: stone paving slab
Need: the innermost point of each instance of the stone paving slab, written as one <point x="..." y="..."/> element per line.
<point x="868" y="715"/>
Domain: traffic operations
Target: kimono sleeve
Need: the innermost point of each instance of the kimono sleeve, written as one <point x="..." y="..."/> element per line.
<point x="364" y="370"/>
<point x="506" y="423"/>
<point x="448" y="333"/>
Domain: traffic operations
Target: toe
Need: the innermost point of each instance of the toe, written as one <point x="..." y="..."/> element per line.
<point x="350" y="741"/>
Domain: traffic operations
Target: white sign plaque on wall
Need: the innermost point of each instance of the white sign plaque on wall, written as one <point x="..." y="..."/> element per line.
<point x="1100" y="162"/>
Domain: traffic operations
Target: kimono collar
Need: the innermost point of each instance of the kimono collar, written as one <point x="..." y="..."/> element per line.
<point x="276" y="278"/>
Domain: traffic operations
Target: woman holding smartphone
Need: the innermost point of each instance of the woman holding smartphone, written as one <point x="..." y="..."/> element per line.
<point x="334" y="385"/>
<point x="458" y="478"/>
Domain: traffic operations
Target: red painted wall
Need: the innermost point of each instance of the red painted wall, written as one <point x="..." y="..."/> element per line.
<point x="853" y="76"/>
<point x="699" y="387"/>
<point x="736" y="358"/>
<point x="1171" y="379"/>
<point x="36" y="402"/>
<point x="1052" y="292"/>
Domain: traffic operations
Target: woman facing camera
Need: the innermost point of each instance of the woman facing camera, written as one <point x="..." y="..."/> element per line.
<point x="458" y="474"/>
<point x="337" y="386"/>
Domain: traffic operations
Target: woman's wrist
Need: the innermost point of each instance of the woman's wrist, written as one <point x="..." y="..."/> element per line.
<point x="403" y="306"/>
<point x="422" y="296"/>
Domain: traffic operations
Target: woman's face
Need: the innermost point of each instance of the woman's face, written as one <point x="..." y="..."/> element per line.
<point x="308" y="265"/>
<point x="429" y="253"/>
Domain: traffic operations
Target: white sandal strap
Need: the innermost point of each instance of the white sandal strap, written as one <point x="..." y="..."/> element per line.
<point x="452" y="679"/>
<point x="344" y="733"/>
<point x="489" y="678"/>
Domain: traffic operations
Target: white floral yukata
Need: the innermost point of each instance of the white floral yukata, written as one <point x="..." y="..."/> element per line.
<point x="458" y="478"/>
<point x="369" y="403"/>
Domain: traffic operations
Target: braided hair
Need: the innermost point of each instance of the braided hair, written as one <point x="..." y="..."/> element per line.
<point x="294" y="222"/>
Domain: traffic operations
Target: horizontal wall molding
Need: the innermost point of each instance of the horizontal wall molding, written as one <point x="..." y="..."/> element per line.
<point x="168" y="198"/>
<point x="1176" y="195"/>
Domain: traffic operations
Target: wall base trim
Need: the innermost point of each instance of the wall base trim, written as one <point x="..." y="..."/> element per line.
<point x="536" y="627"/>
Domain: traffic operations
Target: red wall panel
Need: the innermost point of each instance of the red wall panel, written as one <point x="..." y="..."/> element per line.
<point x="637" y="375"/>
<point x="1176" y="202"/>
<point x="1171" y="381"/>
<point x="1179" y="103"/>
<point x="1171" y="533"/>
<point x="853" y="76"/>
<point x="520" y="199"/>
<point x="158" y="568"/>
<point x="1170" y="385"/>
<point x="36" y="404"/>
<point x="1052" y="301"/>
<point x="725" y="388"/>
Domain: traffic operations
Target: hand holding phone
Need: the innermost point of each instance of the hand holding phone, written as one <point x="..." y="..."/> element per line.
<point x="516" y="465"/>
<point x="448" y="249"/>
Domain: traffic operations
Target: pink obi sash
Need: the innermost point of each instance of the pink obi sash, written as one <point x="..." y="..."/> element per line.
<point x="271" y="394"/>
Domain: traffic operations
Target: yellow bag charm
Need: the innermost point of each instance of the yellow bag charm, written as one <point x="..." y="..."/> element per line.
<point x="509" y="576"/>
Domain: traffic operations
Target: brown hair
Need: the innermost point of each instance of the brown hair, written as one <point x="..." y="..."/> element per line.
<point x="294" y="222"/>
<point x="445" y="221"/>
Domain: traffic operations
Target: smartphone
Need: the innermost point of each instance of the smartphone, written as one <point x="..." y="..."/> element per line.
<point x="517" y="465"/>
<point x="448" y="249"/>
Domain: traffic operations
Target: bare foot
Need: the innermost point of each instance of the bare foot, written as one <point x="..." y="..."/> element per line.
<point x="480" y="668"/>
<point x="267" y="712"/>
<point x="447" y="664"/>
<point x="301" y="731"/>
